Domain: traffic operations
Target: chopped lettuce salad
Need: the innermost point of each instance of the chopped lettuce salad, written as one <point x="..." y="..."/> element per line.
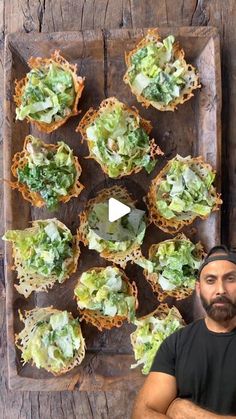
<point x="156" y="74"/>
<point x="53" y="343"/>
<point x="49" y="94"/>
<point x="185" y="190"/>
<point x="50" y="173"/>
<point x="43" y="250"/>
<point x="118" y="141"/>
<point x="121" y="234"/>
<point x="176" y="263"/>
<point x="105" y="291"/>
<point x="149" y="335"/>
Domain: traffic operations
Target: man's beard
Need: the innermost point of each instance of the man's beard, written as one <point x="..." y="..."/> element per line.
<point x="219" y="313"/>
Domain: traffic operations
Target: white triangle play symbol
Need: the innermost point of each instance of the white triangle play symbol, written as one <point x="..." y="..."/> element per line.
<point x="116" y="209"/>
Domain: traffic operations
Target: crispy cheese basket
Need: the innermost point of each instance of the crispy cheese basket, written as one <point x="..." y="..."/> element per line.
<point x="37" y="63"/>
<point x="31" y="280"/>
<point x="151" y="330"/>
<point x="176" y="55"/>
<point x="181" y="218"/>
<point x="120" y="152"/>
<point x="35" y="342"/>
<point x="184" y="286"/>
<point x="119" y="257"/>
<point x="96" y="316"/>
<point x="20" y="161"/>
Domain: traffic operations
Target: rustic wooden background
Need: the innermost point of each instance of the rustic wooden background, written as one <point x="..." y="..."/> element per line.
<point x="62" y="15"/>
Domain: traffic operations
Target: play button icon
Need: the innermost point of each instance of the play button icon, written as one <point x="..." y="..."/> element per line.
<point x="117" y="210"/>
<point x="112" y="213"/>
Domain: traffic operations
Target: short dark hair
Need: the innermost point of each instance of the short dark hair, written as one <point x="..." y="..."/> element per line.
<point x="215" y="253"/>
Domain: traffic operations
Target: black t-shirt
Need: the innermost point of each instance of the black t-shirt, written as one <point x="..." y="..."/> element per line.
<point x="204" y="364"/>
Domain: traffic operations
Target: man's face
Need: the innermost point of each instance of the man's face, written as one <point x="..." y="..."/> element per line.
<point x="217" y="290"/>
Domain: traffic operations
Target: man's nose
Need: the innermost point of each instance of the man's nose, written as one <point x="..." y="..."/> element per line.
<point x="220" y="289"/>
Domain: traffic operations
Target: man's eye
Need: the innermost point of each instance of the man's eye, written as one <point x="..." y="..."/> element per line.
<point x="210" y="280"/>
<point x="231" y="278"/>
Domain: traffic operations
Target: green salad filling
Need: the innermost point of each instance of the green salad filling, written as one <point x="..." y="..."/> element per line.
<point x="105" y="291"/>
<point x="120" y="235"/>
<point x="53" y="343"/>
<point x="50" y="173"/>
<point x="176" y="263"/>
<point x="43" y="249"/>
<point x="118" y="141"/>
<point x="156" y="74"/>
<point x="49" y="94"/>
<point x="186" y="190"/>
<point x="149" y="335"/>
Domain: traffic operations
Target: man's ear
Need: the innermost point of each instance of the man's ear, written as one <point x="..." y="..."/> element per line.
<point x="197" y="288"/>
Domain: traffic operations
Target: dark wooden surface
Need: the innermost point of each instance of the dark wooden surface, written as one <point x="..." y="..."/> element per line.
<point x="194" y="129"/>
<point x="48" y="16"/>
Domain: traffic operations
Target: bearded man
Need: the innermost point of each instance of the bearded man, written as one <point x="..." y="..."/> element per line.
<point x="194" y="372"/>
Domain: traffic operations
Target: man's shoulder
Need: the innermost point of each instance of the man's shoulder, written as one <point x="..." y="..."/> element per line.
<point x="192" y="326"/>
<point x="186" y="331"/>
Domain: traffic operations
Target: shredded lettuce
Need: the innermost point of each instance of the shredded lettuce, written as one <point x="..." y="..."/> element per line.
<point x="43" y="250"/>
<point x="156" y="74"/>
<point x="105" y="291"/>
<point x="120" y="235"/>
<point x="51" y="174"/>
<point x="53" y="343"/>
<point x="118" y="141"/>
<point x="149" y="335"/>
<point x="49" y="94"/>
<point x="176" y="262"/>
<point x="186" y="190"/>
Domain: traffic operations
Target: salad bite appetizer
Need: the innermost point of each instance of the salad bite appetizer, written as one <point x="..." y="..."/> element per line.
<point x="118" y="139"/>
<point x="172" y="267"/>
<point x="44" y="254"/>
<point x="181" y="192"/>
<point x="49" y="94"/>
<point x="158" y="74"/>
<point x="151" y="331"/>
<point x="51" y="339"/>
<point x="46" y="173"/>
<point x="105" y="297"/>
<point x="119" y="241"/>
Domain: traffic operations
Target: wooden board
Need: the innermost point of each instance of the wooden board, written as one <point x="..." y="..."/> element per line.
<point x="193" y="129"/>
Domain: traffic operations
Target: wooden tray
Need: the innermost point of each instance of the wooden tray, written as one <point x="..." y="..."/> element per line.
<point x="193" y="129"/>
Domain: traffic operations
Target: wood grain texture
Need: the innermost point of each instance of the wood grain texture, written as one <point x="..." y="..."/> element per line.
<point x="43" y="15"/>
<point x="194" y="129"/>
